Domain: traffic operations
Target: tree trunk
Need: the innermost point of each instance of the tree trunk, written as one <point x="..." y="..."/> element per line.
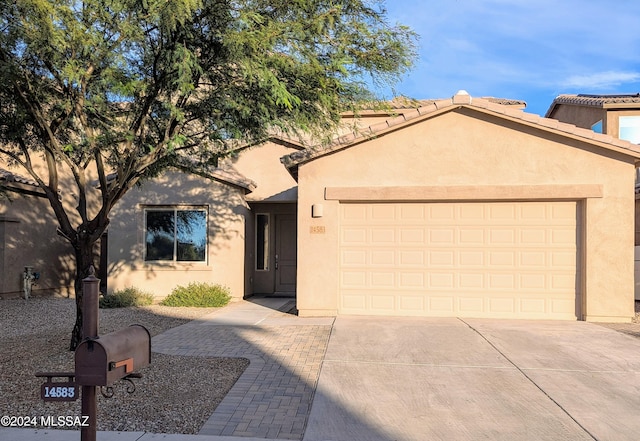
<point x="84" y="260"/>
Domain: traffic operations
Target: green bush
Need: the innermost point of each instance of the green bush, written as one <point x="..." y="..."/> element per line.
<point x="126" y="297"/>
<point x="198" y="294"/>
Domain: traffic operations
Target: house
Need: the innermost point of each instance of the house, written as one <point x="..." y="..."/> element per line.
<point x="614" y="115"/>
<point x="460" y="207"/>
<point x="28" y="240"/>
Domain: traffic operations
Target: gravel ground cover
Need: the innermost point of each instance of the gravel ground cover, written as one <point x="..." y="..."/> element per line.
<point x="176" y="394"/>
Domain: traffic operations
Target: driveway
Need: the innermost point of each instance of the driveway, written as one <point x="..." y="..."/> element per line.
<point x="473" y="379"/>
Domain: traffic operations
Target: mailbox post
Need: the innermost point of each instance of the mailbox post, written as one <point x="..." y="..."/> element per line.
<point x="90" y="297"/>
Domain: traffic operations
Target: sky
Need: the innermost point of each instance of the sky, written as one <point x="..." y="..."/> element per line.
<point x="530" y="50"/>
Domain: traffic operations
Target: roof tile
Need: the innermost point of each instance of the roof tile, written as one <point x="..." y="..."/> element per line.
<point x="396" y="120"/>
<point x="442" y="104"/>
<point x="7" y="176"/>
<point x="424" y="110"/>
<point x="379" y="126"/>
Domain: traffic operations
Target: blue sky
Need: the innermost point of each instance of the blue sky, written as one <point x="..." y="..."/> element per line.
<point x="531" y="50"/>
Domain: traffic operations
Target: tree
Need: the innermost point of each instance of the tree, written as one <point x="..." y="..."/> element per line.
<point x="118" y="90"/>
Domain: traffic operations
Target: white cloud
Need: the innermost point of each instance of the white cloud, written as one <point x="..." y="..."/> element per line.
<point x="601" y="80"/>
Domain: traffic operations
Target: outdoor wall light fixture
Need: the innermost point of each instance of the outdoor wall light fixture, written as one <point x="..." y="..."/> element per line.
<point x="317" y="210"/>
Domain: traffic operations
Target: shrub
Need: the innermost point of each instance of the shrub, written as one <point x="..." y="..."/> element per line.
<point x="198" y="294"/>
<point x="126" y="297"/>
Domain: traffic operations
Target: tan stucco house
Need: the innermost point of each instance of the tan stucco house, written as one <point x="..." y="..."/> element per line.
<point x="465" y="207"/>
<point x="459" y="207"/>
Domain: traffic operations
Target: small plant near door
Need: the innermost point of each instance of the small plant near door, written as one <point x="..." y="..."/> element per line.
<point x="202" y="295"/>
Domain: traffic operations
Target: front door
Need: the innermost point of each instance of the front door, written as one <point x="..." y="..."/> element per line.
<point x="275" y="249"/>
<point x="285" y="254"/>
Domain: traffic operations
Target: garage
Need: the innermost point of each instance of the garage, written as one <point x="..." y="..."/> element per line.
<point x="496" y="259"/>
<point x="467" y="208"/>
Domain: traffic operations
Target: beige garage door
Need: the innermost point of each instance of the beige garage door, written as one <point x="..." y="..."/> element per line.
<point x="498" y="259"/>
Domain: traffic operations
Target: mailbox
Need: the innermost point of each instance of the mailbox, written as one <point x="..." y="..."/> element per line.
<point x="102" y="361"/>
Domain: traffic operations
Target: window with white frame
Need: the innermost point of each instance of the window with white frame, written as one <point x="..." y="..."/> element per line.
<point x="629" y="128"/>
<point x="176" y="234"/>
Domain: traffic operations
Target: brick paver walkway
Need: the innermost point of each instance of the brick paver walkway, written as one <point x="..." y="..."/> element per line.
<point x="272" y="398"/>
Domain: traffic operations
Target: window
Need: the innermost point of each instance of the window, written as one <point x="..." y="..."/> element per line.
<point x="629" y="128"/>
<point x="262" y="241"/>
<point x="173" y="234"/>
<point x="597" y="127"/>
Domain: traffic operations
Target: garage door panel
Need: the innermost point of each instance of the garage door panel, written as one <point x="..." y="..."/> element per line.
<point x="533" y="259"/>
<point x="354" y="236"/>
<point x="441" y="237"/>
<point x="441" y="304"/>
<point x="382" y="236"/>
<point x="383" y="257"/>
<point x="471" y="281"/>
<point x="354" y="212"/>
<point x="471" y="236"/>
<point x="466" y="259"/>
<point x="412" y="236"/>
<point x="383" y="302"/>
<point x="441" y="258"/>
<point x="383" y="280"/>
<point x="412" y="212"/>
<point x="563" y="259"/>
<point x="533" y="306"/>
<point x="411" y="304"/>
<point x="499" y="306"/>
<point x="502" y="258"/>
<point x="412" y="280"/>
<point x="383" y="212"/>
<point x="412" y="258"/>
<point x="471" y="258"/>
<point x="354" y="279"/>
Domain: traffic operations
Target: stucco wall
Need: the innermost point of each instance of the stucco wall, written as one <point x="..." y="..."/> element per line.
<point x="466" y="148"/>
<point x="226" y="224"/>
<point x="28" y="238"/>
<point x="262" y="165"/>
<point x="581" y="116"/>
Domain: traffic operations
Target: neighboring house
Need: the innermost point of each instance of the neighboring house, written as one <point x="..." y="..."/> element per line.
<point x="614" y="115"/>
<point x="461" y="207"/>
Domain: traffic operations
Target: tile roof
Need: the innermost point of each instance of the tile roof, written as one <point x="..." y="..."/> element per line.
<point x="461" y="99"/>
<point x="16" y="183"/>
<point x="601" y="101"/>
<point x="7" y="176"/>
<point x="403" y="102"/>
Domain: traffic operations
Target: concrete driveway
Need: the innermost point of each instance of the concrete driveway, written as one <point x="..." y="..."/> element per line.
<point x="472" y="379"/>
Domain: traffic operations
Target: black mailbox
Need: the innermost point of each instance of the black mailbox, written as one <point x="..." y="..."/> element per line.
<point x="108" y="358"/>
